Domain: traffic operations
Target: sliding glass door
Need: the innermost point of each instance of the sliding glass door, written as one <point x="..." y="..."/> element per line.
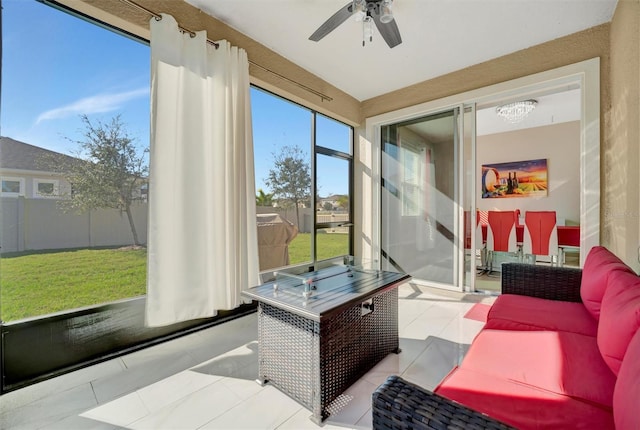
<point x="413" y="161"/>
<point x="421" y="199"/>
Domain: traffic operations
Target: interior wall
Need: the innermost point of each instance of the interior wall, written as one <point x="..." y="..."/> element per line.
<point x="560" y="145"/>
<point x="621" y="152"/>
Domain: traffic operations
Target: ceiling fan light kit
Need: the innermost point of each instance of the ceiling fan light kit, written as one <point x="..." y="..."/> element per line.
<point x="367" y="29"/>
<point x="359" y="11"/>
<point x="386" y="14"/>
<point x="369" y="12"/>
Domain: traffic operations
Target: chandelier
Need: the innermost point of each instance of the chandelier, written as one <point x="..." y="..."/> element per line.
<point x="516" y="111"/>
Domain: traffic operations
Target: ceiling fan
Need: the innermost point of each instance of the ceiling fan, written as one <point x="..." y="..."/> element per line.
<point x="367" y="11"/>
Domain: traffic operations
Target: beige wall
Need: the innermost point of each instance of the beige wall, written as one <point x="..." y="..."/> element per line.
<point x="620" y="151"/>
<point x="560" y="145"/>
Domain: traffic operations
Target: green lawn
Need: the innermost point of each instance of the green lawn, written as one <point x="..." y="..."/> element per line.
<point x="329" y="245"/>
<point x="34" y="284"/>
<point x="38" y="283"/>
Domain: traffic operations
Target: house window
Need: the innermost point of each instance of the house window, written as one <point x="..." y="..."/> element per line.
<point x="12" y="187"/>
<point x="45" y="188"/>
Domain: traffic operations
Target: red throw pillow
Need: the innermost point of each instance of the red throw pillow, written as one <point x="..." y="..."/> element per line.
<point x="600" y="262"/>
<point x="619" y="317"/>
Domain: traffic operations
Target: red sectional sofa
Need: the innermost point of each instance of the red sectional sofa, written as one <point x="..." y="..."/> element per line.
<point x="560" y="350"/>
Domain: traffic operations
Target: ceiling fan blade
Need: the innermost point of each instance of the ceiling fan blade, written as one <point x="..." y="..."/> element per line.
<point x="332" y="23"/>
<point x="389" y="31"/>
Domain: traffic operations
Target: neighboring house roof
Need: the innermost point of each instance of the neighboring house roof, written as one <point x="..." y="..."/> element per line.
<point x="23" y="156"/>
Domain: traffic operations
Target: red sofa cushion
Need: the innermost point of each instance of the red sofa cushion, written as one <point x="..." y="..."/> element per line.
<point x="515" y="312"/>
<point x="600" y="262"/>
<point x="627" y="391"/>
<point x="520" y="405"/>
<point x="619" y="317"/>
<point x="559" y="362"/>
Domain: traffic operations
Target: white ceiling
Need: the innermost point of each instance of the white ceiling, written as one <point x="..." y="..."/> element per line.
<point x="439" y="36"/>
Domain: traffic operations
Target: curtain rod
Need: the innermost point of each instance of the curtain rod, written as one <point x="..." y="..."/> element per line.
<point x="157" y="16"/>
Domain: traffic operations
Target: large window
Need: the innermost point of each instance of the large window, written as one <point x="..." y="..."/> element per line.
<point x="303" y="165"/>
<point x="63" y="77"/>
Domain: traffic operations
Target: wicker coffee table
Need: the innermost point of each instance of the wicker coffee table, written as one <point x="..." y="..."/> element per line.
<point x="319" y="332"/>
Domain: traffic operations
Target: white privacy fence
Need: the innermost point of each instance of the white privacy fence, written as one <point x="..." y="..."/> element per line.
<point x="305" y="224"/>
<point x="34" y="224"/>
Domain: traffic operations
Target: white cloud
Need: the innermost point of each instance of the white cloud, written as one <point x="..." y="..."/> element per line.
<point x="96" y="104"/>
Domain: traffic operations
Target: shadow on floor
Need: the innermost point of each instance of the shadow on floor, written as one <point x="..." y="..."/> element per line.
<point x="444" y="295"/>
<point x="240" y="363"/>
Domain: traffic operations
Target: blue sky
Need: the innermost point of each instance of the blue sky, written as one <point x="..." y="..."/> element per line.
<point x="56" y="67"/>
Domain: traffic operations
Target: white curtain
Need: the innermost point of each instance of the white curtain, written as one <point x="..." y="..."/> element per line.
<point x="202" y="241"/>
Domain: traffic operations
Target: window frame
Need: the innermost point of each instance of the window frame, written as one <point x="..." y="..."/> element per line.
<point x="332" y="225"/>
<point x="316" y="150"/>
<point x="18" y="179"/>
<point x="53" y="195"/>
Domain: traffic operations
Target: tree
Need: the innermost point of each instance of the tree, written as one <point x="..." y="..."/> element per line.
<point x="109" y="171"/>
<point x="290" y="178"/>
<point x="264" y="199"/>
<point x="343" y="202"/>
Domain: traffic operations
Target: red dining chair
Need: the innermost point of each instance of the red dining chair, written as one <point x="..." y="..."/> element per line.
<point x="540" y="236"/>
<point x="501" y="235"/>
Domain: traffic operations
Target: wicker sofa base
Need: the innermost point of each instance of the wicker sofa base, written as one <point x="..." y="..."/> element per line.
<point x="398" y="404"/>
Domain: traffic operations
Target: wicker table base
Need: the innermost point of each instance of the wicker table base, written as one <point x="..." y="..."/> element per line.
<point x="313" y="360"/>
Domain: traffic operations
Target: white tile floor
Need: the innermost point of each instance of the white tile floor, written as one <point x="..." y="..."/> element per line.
<point x="206" y="380"/>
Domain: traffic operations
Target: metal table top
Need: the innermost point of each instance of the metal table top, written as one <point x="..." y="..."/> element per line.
<point x="320" y="294"/>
